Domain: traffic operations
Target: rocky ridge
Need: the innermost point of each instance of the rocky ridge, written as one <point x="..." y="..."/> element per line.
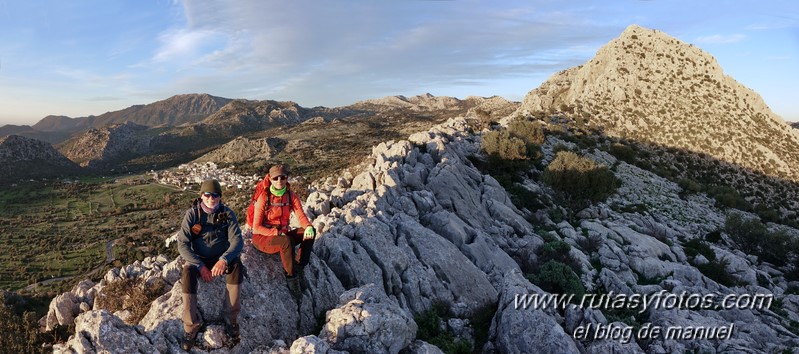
<point x="243" y="149"/>
<point x="241" y="116"/>
<point x="416" y="225"/>
<point x="62" y="123"/>
<point x="174" y="111"/>
<point x="100" y="147"/>
<point x="32" y="158"/>
<point x="650" y="87"/>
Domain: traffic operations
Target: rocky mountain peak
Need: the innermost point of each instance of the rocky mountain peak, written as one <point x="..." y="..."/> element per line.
<point x="61" y="123"/>
<point x="648" y="86"/>
<point x="243" y="149"/>
<point x="419" y="102"/>
<point x="173" y="111"/>
<point x="32" y="158"/>
<point x="99" y="146"/>
<point x="15" y="147"/>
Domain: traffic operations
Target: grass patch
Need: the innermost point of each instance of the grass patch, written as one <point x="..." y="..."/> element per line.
<point x="432" y="329"/>
<point x="60" y="229"/>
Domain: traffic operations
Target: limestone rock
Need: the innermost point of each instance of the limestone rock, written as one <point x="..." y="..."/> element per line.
<point x="421" y="347"/>
<point x="367" y="321"/>
<point x="102" y="332"/>
<point x="520" y="330"/>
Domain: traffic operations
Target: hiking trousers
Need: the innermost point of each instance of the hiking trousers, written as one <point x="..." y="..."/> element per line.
<point x="231" y="303"/>
<point x="285" y="244"/>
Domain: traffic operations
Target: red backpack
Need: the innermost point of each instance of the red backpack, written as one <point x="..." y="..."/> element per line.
<point x="261" y="188"/>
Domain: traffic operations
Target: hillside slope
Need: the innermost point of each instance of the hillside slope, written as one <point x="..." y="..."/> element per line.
<point x="417" y="226"/>
<point x="650" y="87"/>
<point x="31" y="158"/>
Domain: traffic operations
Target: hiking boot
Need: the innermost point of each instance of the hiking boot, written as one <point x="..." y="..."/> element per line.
<point x="232" y="330"/>
<point x="188" y="341"/>
<point x="294" y="286"/>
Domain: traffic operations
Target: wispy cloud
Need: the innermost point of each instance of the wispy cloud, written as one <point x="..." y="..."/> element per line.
<point x="338" y="52"/>
<point x="721" y="39"/>
<point x="297" y="48"/>
<point x="179" y="44"/>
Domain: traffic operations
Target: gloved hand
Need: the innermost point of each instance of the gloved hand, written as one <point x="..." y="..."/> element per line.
<point x="309" y="233"/>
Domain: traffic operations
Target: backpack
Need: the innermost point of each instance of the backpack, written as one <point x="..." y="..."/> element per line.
<point x="261" y="188"/>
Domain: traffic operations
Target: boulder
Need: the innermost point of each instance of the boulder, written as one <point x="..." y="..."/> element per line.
<point x="367" y="321"/>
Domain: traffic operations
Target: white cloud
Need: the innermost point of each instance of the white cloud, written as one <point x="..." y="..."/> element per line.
<point x="366" y="49"/>
<point x="179" y="44"/>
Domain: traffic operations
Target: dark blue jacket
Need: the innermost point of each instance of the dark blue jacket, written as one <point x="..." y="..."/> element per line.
<point x="219" y="238"/>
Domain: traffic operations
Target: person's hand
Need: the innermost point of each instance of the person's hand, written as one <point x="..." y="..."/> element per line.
<point x="219" y="268"/>
<point x="309" y="233"/>
<point x="205" y="274"/>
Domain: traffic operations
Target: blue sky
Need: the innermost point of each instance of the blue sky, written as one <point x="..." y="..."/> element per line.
<point x="84" y="57"/>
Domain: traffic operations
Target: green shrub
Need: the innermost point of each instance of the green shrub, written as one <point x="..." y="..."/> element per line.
<point x="555" y="251"/>
<point x="695" y="246"/>
<point x="430" y="330"/>
<point x="622" y="152"/>
<point x="532" y="133"/>
<point x="506" y="172"/>
<point x="558" y="278"/>
<point x="717" y="270"/>
<point x="690" y="185"/>
<point x="501" y="144"/>
<point x="776" y="248"/>
<point x="766" y="214"/>
<point x="523" y="198"/>
<point x="752" y="237"/>
<point x="746" y="233"/>
<point x="713" y="236"/>
<point x="481" y="324"/>
<point x="579" y="178"/>
<point x="728" y="197"/>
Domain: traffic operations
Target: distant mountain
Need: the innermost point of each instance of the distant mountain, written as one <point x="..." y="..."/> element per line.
<point x="243" y="116"/>
<point x="10" y="129"/>
<point x="795" y="125"/>
<point x="282" y="125"/>
<point x="63" y="123"/>
<point x="418" y="102"/>
<point x="52" y="137"/>
<point x="650" y="87"/>
<point x="31" y="158"/>
<point x="101" y="147"/>
<point x="174" y="111"/>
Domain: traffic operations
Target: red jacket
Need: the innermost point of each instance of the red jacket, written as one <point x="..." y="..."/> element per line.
<point x="276" y="219"/>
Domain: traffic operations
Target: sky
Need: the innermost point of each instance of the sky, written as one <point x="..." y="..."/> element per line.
<point x="88" y="57"/>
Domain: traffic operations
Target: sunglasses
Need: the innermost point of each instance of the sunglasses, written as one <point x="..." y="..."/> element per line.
<point x="279" y="178"/>
<point x="209" y="194"/>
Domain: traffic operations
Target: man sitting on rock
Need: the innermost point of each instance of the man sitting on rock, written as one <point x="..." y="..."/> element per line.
<point x="210" y="242"/>
<point x="271" y="233"/>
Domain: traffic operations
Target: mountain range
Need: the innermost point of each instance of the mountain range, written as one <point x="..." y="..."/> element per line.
<point x="426" y="243"/>
<point x="176" y="134"/>
<point x="643" y="86"/>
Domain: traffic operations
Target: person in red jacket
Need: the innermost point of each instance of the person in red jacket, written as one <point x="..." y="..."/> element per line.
<point x="271" y="233"/>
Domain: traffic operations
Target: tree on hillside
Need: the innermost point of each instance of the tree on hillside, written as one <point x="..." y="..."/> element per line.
<point x="578" y="180"/>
